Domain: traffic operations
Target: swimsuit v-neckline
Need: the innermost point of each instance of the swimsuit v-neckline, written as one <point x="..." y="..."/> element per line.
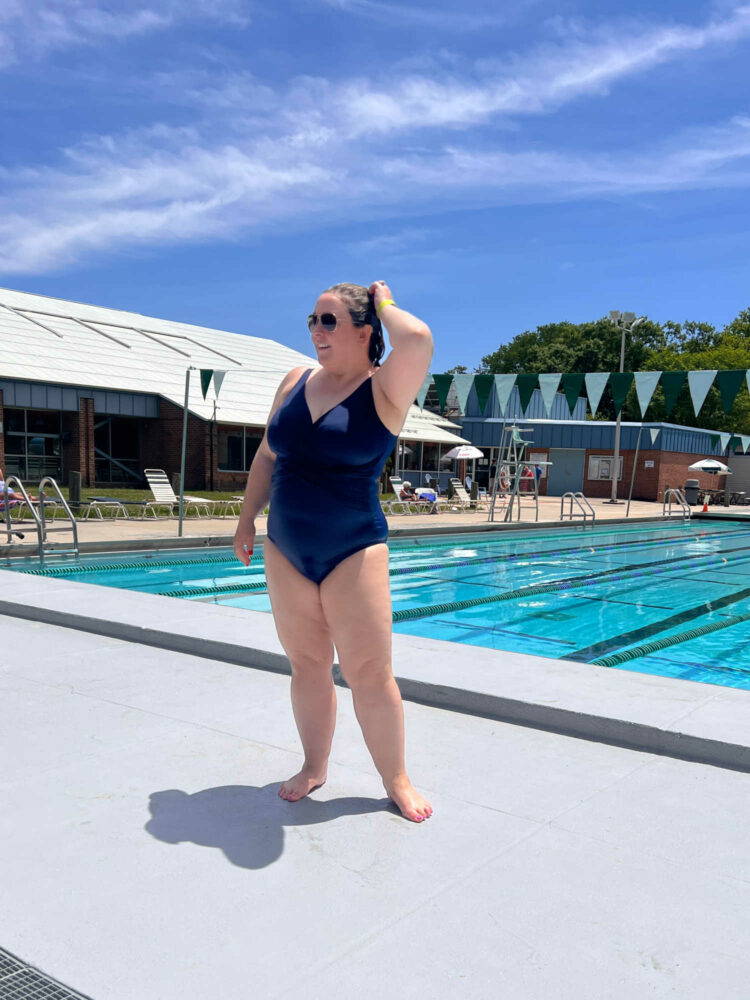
<point x="332" y="408"/>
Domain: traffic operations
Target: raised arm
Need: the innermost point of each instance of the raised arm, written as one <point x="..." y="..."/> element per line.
<point x="404" y="370"/>
<point x="258" y="487"/>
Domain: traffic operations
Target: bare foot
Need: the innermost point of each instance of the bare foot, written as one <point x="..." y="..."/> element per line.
<point x="300" y="785"/>
<point x="413" y="806"/>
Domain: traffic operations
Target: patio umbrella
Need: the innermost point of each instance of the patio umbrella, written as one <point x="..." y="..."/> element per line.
<point x="464" y="451"/>
<point x="712" y="466"/>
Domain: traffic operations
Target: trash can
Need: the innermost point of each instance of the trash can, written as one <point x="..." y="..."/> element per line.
<point x="691" y="491"/>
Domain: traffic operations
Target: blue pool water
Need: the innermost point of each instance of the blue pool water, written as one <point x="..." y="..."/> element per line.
<point x="673" y="596"/>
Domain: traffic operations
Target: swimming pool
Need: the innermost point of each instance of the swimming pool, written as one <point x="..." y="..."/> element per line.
<point x="665" y="598"/>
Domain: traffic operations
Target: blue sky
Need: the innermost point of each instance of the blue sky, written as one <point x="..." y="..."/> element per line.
<point x="502" y="165"/>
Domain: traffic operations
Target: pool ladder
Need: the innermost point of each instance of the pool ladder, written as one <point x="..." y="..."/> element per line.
<point x="677" y="497"/>
<point x="584" y="507"/>
<point x="40" y="521"/>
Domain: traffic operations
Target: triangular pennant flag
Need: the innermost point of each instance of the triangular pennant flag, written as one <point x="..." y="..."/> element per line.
<point x="714" y="441"/>
<point x="645" y="385"/>
<point x="503" y="388"/>
<point x="654" y="431"/>
<point x="526" y="385"/>
<point x="735" y="443"/>
<point x="572" y="386"/>
<point x="672" y="383"/>
<point x="725" y="439"/>
<point x="463" y="384"/>
<point x="595" y="385"/>
<point x="548" y="385"/>
<point x="620" y="383"/>
<point x="745" y="438"/>
<point x="483" y="385"/>
<point x="218" y="379"/>
<point x="729" y="383"/>
<point x="700" y="382"/>
<point x="206" y="376"/>
<point x="422" y="394"/>
<point x="443" y="385"/>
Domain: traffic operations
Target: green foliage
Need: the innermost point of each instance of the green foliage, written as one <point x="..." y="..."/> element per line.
<point x="670" y="346"/>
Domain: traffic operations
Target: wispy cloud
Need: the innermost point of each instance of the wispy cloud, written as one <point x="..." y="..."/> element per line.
<point x="254" y="156"/>
<point x="410" y="14"/>
<point x="34" y="28"/>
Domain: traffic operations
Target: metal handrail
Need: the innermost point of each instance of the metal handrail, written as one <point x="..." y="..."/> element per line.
<point x="582" y="503"/>
<point x="49" y="483"/>
<point x="16" y="482"/>
<point x="674" y="495"/>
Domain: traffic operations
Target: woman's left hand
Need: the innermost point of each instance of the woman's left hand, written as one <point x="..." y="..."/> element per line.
<point x="380" y="292"/>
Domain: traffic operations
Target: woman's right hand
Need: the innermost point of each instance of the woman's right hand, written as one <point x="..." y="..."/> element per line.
<point x="244" y="541"/>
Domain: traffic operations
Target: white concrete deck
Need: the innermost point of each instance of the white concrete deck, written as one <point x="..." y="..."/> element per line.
<point x="145" y="853"/>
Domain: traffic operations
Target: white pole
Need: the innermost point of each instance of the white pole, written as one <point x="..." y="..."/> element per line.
<point x="184" y="446"/>
<point x="635" y="463"/>
<point x="616" y="462"/>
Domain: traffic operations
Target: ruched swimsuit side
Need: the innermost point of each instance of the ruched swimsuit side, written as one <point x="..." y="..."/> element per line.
<point x="324" y="503"/>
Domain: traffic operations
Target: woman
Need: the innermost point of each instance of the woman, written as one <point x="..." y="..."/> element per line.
<point x="329" y="433"/>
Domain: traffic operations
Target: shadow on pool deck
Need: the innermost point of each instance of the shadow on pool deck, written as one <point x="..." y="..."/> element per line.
<point x="245" y="822"/>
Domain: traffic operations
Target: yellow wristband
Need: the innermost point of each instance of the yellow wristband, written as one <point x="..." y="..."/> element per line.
<point x="385" y="302"/>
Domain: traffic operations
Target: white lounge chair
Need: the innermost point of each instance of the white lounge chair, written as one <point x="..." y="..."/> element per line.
<point x="166" y="499"/>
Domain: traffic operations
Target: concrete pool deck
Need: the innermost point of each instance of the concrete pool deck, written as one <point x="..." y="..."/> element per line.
<point x="110" y="533"/>
<point x="145" y="853"/>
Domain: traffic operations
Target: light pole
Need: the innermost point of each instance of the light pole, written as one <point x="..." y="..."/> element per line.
<point x="626" y="322"/>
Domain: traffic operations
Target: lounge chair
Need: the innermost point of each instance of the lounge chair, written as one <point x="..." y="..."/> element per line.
<point x="460" y="498"/>
<point x="400" y="506"/>
<point x="166" y="499"/>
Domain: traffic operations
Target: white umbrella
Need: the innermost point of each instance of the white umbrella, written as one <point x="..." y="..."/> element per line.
<point x="712" y="466"/>
<point x="463" y="451"/>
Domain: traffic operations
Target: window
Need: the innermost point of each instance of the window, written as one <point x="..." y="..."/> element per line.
<point x="237" y="447"/>
<point x="32" y="443"/>
<point x="600" y="467"/>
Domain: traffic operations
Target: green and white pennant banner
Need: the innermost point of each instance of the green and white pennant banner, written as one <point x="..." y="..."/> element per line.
<point x="206" y="376"/>
<point x="218" y="379"/>
<point x="745" y="439"/>
<point x="724" y="438"/>
<point x="596" y="383"/>
<point x="503" y="388"/>
<point x="462" y="384"/>
<point x="424" y="389"/>
<point x="645" y="386"/>
<point x="548" y="385"/>
<point x="655" y="432"/>
<point x="700" y="383"/>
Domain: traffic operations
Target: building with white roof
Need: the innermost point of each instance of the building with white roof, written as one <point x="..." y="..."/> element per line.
<point x="101" y="392"/>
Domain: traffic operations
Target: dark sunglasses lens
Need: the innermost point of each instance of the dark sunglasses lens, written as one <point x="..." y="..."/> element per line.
<point x="327" y="321"/>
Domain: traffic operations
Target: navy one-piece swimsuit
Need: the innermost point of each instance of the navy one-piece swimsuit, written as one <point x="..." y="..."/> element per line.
<point x="324" y="502"/>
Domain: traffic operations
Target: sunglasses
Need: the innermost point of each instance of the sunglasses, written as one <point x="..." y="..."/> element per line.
<point x="327" y="320"/>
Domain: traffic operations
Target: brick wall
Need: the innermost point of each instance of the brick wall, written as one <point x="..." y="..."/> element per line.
<point x="161" y="446"/>
<point x="669" y="469"/>
<point x="78" y="453"/>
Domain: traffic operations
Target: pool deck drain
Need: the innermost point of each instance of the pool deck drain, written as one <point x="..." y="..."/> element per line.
<point x="660" y="715"/>
<point x="20" y="981"/>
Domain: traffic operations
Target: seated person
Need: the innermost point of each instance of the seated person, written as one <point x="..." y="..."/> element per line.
<point x="13" y="497"/>
<point x="408" y="493"/>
